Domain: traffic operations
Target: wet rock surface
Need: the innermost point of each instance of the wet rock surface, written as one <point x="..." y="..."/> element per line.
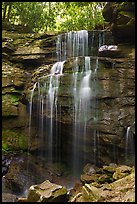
<point x="26" y="170"/>
<point x="113" y="92"/>
<point x="20" y="174"/>
<point x="24" y="53"/>
<point x="106" y="187"/>
<point x="5" y="164"/>
<point x="7" y="197"/>
<point x="106" y="183"/>
<point x="32" y="57"/>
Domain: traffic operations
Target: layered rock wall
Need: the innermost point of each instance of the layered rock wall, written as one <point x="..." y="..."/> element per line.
<point x="29" y="56"/>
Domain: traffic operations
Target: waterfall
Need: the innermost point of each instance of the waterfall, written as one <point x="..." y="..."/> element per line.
<point x="127" y="136"/>
<point x="84" y="90"/>
<point x="74" y="45"/>
<point x="30" y="108"/>
<point x="129" y="142"/>
<point x="82" y="95"/>
<point x="52" y="97"/>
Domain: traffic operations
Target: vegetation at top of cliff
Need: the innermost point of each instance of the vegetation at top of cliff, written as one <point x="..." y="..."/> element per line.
<point x="57" y="16"/>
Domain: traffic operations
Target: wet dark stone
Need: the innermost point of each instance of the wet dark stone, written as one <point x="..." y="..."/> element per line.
<point x="5" y="164"/>
<point x="7" y="197"/>
<point x="4" y="170"/>
<point x="3" y="157"/>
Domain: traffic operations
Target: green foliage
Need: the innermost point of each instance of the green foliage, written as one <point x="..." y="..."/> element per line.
<point x="81" y="15"/>
<point x="28" y="14"/>
<point x="60" y="16"/>
<point x="5" y="148"/>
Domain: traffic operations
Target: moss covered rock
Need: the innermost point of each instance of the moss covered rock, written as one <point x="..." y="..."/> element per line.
<point x="9" y="105"/>
<point x="121" y="172"/>
<point x="88" y="178"/>
<point x="109" y="169"/>
<point x="47" y="192"/>
<point x="13" y="140"/>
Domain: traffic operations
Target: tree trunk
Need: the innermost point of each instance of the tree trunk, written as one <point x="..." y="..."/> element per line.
<point x="4" y="12"/>
<point x="9" y="11"/>
<point x="49" y="14"/>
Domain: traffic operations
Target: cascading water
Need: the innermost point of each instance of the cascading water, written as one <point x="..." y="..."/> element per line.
<point x="84" y="92"/>
<point x="56" y="72"/>
<point x="49" y="97"/>
<point x="30" y="107"/>
<point x="75" y="44"/>
<point x="129" y="143"/>
<point x="72" y="45"/>
<point x="82" y="96"/>
<point x="70" y="145"/>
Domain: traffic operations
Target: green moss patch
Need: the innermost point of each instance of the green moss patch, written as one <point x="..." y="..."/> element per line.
<point x="10" y="99"/>
<point x="12" y="140"/>
<point x="9" y="105"/>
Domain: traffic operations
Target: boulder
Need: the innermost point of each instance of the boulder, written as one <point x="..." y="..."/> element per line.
<point x="47" y="192"/>
<point x="109" y="51"/>
<point x="121" y="15"/>
<point x="122" y="190"/>
<point x="22" y="174"/>
<point x="88" y="179"/>
<point x="109" y="169"/>
<point x="89" y="169"/>
<point x="105" y="178"/>
<point x="121" y="172"/>
<point x="106" y="189"/>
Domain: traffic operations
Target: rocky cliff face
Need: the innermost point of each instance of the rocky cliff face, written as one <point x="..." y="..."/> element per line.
<point x="28" y="56"/>
<point x="114" y="102"/>
<point x="121" y="16"/>
<point x="21" y="54"/>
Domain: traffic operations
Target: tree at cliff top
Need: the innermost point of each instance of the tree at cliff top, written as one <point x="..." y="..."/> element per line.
<point x="47" y="16"/>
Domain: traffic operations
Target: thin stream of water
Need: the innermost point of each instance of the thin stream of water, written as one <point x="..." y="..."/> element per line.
<point x="83" y="86"/>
